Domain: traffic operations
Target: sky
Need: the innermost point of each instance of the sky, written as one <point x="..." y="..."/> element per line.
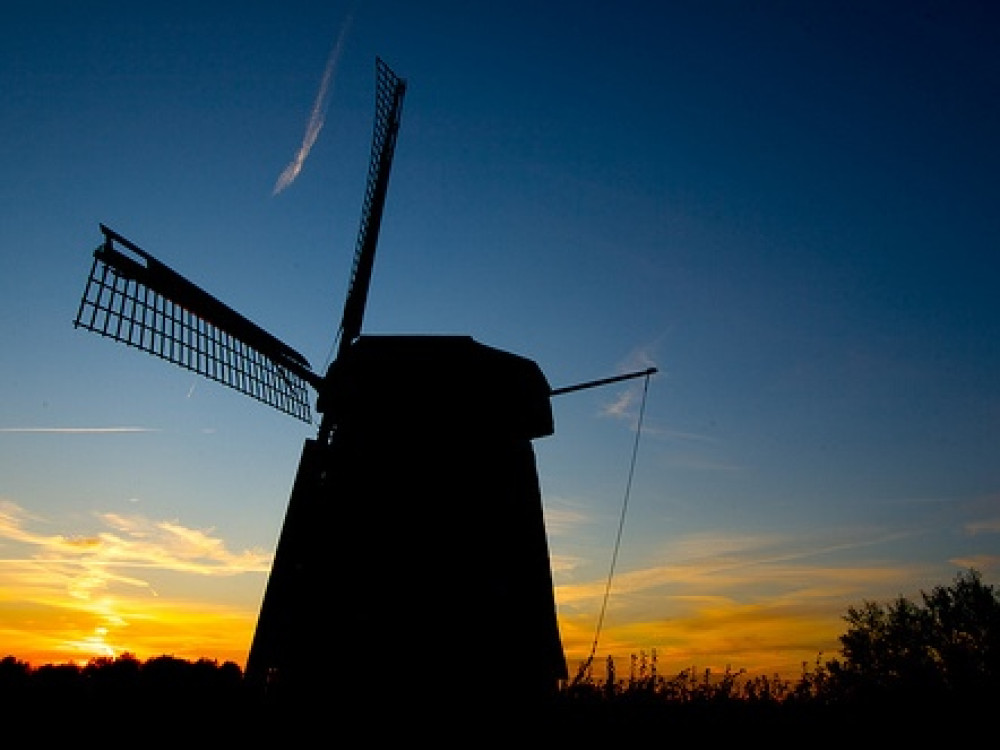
<point x="789" y="209"/>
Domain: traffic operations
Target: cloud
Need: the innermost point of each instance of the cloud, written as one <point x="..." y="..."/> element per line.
<point x="316" y="117"/>
<point x="766" y="602"/>
<point x="641" y="358"/>
<point x="984" y="526"/>
<point x="78" y="430"/>
<point x="121" y="543"/>
<point x="564" y="517"/>
<point x="983" y="563"/>
<point x="12" y="521"/>
<point x="625" y="402"/>
<point x="620" y="407"/>
<point x="80" y="595"/>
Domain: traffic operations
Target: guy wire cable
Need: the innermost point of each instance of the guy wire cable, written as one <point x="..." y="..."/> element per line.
<point x="585" y="666"/>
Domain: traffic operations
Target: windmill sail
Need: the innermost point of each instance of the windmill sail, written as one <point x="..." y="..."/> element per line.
<point x="389" y="91"/>
<point x="144" y="303"/>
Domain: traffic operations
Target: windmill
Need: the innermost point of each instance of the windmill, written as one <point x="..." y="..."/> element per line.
<point x="414" y="527"/>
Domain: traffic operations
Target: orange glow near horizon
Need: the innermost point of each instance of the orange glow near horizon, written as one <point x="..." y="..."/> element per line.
<point x="747" y="637"/>
<point x="759" y="643"/>
<point x="61" y="633"/>
<point x="147" y="588"/>
<point x="109" y="592"/>
<point x="760" y="640"/>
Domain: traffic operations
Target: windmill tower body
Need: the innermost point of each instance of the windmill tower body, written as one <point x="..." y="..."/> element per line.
<point x="414" y="533"/>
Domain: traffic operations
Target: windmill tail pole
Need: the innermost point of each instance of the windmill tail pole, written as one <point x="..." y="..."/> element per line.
<point x="603" y="381"/>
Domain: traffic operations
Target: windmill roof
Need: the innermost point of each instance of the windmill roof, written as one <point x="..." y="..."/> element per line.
<point x="439" y="384"/>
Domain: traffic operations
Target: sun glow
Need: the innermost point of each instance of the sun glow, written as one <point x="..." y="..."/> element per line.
<point x="66" y="598"/>
<point x="91" y="646"/>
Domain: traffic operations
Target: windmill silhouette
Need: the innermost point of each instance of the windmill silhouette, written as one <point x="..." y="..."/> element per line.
<point x="414" y="529"/>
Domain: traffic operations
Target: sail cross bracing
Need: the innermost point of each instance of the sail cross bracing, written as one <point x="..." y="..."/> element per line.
<point x="145" y="304"/>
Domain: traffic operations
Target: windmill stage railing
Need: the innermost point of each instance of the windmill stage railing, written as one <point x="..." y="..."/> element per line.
<point x="141" y="302"/>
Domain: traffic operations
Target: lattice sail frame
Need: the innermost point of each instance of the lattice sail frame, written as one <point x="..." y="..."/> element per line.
<point x="145" y="304"/>
<point x="389" y="92"/>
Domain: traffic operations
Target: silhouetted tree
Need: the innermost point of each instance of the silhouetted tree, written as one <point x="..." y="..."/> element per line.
<point x="15" y="678"/>
<point x="113" y="679"/>
<point x="965" y="633"/>
<point x="946" y="647"/>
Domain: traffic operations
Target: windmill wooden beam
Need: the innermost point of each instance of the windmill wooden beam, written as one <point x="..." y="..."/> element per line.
<point x="603" y="381"/>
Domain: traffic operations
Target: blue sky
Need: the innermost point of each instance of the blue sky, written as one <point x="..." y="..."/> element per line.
<point x="789" y="209"/>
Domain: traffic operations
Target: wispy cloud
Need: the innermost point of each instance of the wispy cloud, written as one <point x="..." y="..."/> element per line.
<point x="727" y="562"/>
<point x="78" y="430"/>
<point x="641" y="357"/>
<point x="93" y="593"/>
<point x="317" y="116"/>
<point x="564" y="517"/>
<point x="983" y="526"/>
<point x="984" y="563"/>
<point x="766" y="602"/>
<point x="624" y="404"/>
<point x="128" y="541"/>
<point x="621" y="407"/>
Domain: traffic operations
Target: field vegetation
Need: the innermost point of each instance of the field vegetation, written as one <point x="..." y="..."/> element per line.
<point x="906" y="670"/>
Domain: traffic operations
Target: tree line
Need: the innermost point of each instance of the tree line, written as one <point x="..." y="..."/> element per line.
<point x="936" y="659"/>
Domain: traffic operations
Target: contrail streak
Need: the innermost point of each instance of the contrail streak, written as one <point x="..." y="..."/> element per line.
<point x="316" y="117"/>
<point x="77" y="430"/>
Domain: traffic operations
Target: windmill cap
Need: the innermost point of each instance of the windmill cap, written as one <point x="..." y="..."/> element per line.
<point x="437" y="384"/>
